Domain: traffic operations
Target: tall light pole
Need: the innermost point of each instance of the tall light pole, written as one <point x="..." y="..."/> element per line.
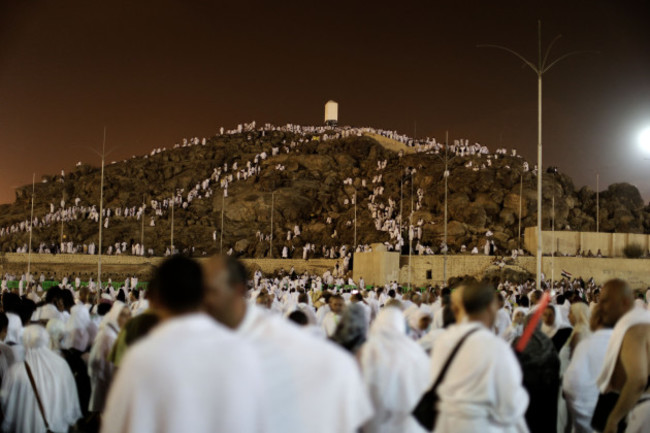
<point x="144" y="207"/>
<point x="410" y="230"/>
<point x="31" y="226"/>
<point x="271" y="239"/>
<point x="101" y="213"/>
<point x="223" y="207"/>
<point x="521" y="191"/>
<point x="597" y="202"/>
<point x="62" y="211"/>
<point x="171" y="247"/>
<point x="543" y="65"/>
<point x="445" y="175"/>
<point x="355" y="219"/>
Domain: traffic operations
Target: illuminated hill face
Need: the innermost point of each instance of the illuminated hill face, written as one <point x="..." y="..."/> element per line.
<point x="310" y="177"/>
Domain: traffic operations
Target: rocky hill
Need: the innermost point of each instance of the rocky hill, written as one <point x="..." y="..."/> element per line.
<point x="308" y="178"/>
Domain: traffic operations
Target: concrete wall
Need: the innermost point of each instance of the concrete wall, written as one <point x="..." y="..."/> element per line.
<point x="123" y="265"/>
<point x="377" y="267"/>
<point x="609" y="244"/>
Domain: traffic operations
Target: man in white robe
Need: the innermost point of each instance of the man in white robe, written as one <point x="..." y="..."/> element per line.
<point x="333" y="317"/>
<point x="579" y="381"/>
<point x="190" y="374"/>
<point x="482" y="390"/>
<point x="312" y="385"/>
<point x="100" y="369"/>
<point x="54" y="382"/>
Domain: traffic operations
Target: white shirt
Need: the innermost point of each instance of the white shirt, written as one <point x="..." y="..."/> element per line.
<point x="189" y="375"/>
<point x="313" y="385"/>
<point x="330" y="322"/>
<point x="482" y="391"/>
<point x="579" y="383"/>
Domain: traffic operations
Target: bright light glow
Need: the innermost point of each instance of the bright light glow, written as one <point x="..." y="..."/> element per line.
<point x="644" y="140"/>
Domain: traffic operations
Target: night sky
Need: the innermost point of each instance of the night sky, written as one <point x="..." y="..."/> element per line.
<point x="156" y="71"/>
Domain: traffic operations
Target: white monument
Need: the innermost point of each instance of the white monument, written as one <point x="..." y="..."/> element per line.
<point x="331" y="113"/>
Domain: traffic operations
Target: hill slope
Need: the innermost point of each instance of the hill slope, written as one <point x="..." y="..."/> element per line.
<point x="308" y="177"/>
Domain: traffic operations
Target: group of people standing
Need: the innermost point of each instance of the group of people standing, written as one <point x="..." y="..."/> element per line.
<point x="212" y="349"/>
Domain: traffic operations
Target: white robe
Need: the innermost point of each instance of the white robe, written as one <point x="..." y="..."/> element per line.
<point x="55" y="384"/>
<point x="394" y="368"/>
<point x="330" y="322"/>
<point x="579" y="383"/>
<point x="100" y="369"/>
<point x="482" y="391"/>
<point x="190" y="374"/>
<point x="312" y="385"/>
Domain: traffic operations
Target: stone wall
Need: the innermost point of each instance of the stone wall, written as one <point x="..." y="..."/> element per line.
<point x="609" y="244"/>
<point x="117" y="267"/>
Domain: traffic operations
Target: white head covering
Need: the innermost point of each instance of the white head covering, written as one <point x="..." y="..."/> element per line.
<point x="14" y="329"/>
<point x="80" y="330"/>
<point x="558" y="324"/>
<point x="55" y="328"/>
<point x="55" y="384"/>
<point x="392" y="364"/>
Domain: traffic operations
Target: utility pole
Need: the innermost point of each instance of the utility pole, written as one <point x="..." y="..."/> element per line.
<point x="597" y="202"/>
<point x="144" y="207"/>
<point x="31" y="226"/>
<point x="223" y="206"/>
<point x="446" y="176"/>
<point x="62" y="211"/>
<point x="272" y="207"/>
<point x="543" y="65"/>
<point x="101" y="214"/>
<point x="172" y="230"/>
<point x="521" y="191"/>
<point x="410" y="230"/>
<point x="355" y="219"/>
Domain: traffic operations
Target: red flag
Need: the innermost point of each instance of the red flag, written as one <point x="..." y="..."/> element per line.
<point x="532" y="323"/>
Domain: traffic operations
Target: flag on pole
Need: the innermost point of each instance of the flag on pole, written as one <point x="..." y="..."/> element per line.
<point x="566" y="274"/>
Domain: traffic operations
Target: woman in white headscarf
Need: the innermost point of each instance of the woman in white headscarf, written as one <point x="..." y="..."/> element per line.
<point x="100" y="369"/>
<point x="395" y="370"/>
<point x="54" y="382"/>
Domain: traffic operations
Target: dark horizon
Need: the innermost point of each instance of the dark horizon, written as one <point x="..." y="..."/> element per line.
<point x="156" y="72"/>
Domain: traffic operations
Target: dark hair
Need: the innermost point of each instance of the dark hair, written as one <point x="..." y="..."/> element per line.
<point x="303" y="298"/>
<point x="52" y="294"/>
<point x="103" y="308"/>
<point x="391" y="293"/>
<point x="523" y="301"/>
<point x="299" y="317"/>
<point x="178" y="284"/>
<point x="4" y="322"/>
<point x="67" y="298"/>
<point x="336" y="297"/>
<point x="11" y="303"/>
<point x="447" y="316"/>
<point x="477" y="297"/>
<point x="27" y="308"/>
<point x="560" y="299"/>
<point x="121" y="296"/>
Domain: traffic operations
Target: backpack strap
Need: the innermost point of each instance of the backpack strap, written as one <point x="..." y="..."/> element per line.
<point x="38" y="397"/>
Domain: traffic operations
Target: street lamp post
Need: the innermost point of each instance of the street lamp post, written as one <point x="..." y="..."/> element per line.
<point x="543" y="65"/>
<point x="31" y="227"/>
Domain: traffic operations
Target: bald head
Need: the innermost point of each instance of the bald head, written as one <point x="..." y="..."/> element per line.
<point x="616" y="299"/>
